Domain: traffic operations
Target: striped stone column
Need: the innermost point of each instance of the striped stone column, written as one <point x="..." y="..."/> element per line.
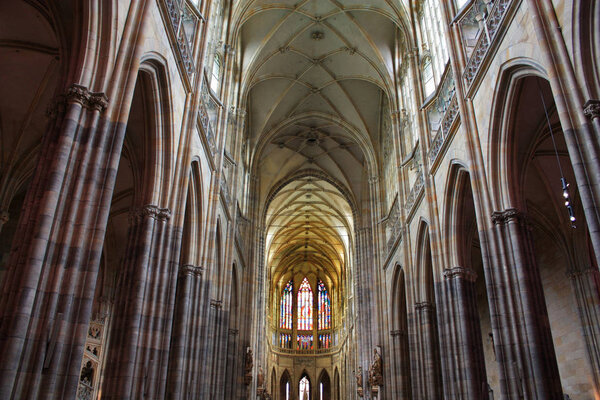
<point x="141" y="328"/>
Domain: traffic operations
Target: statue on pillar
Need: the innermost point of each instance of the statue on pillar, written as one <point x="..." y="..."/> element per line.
<point x="359" y="382"/>
<point x="376" y="370"/>
<point x="248" y="364"/>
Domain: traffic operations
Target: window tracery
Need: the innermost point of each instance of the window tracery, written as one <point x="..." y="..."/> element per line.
<point x="285" y="307"/>
<point x="305" y="306"/>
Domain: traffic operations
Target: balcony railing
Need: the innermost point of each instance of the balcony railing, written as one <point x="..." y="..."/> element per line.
<point x="180" y="15"/>
<point x="487" y="36"/>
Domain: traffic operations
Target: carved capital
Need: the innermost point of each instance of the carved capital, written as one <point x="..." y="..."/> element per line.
<point x="591" y="109"/>
<point x="152" y="211"/>
<point x="234" y="332"/>
<point x="424" y="305"/>
<point x="460" y="272"/>
<point x="190" y="270"/>
<point x="575" y="274"/>
<point x="77" y="94"/>
<point x="97" y="101"/>
<point x="508" y="215"/>
<point x="398" y="332"/>
<point x="218" y="304"/>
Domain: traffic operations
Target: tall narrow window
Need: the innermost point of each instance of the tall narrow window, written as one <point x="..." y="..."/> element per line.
<point x="305" y="305"/>
<point x="324" y="307"/>
<point x="285" y="308"/>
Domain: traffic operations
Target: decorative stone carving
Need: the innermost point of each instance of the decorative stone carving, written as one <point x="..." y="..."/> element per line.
<point x="214" y="303"/>
<point x="260" y="378"/>
<point x="591" y="109"/>
<point x="81" y="95"/>
<point x="508" y="215"/>
<point x="460" y="272"/>
<point x="4" y="217"/>
<point x="359" y="382"/>
<point x="149" y="210"/>
<point x="191" y="270"/>
<point x="424" y="305"/>
<point x="376" y="369"/>
<point x="248" y="364"/>
<point x="486" y="38"/>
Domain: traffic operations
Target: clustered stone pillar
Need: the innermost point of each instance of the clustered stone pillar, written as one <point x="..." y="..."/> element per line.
<point x="184" y="326"/>
<point x="462" y="350"/>
<point x="527" y="351"/>
<point x="137" y="359"/>
<point x="428" y="368"/>
<point x="401" y="364"/>
<point x="586" y="287"/>
<point x="48" y="291"/>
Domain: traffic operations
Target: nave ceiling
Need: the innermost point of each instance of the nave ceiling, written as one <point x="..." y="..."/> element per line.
<point x="315" y="76"/>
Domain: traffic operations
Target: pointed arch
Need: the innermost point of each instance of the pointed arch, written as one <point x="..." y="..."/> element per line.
<point x="324" y="386"/>
<point x="285" y="386"/>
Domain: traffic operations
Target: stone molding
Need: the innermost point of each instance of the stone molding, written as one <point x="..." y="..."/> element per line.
<point x="508" y="215"/>
<point x="190" y="270"/>
<point x="591" y="109"/>
<point x="460" y="272"/>
<point x="234" y="332"/>
<point x="424" y="305"/>
<point x="152" y="211"/>
<point x="214" y="303"/>
<point x="574" y="274"/>
<point x="398" y="332"/>
<point x="95" y="101"/>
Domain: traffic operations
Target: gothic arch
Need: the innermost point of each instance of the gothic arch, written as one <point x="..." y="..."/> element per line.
<point x="324" y="386"/>
<point x="424" y="273"/>
<point x="285" y="386"/>
<point x="586" y="19"/>
<point x="503" y="177"/>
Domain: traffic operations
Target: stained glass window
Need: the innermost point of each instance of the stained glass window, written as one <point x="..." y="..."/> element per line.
<point x="285" y="308"/>
<point x="305" y="342"/>
<point x="324" y="307"/>
<point x="325" y="341"/>
<point x="305" y="305"/>
<point x="285" y="340"/>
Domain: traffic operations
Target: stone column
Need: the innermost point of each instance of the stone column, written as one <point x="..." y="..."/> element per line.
<point x="401" y="364"/>
<point x="49" y="283"/>
<point x="142" y="322"/>
<point x="463" y="350"/>
<point x="527" y="352"/>
<point x="428" y="353"/>
<point x="182" y="321"/>
<point x="586" y="285"/>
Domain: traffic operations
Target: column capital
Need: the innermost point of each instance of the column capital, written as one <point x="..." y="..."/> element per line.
<point x="398" y="332"/>
<point x="460" y="272"/>
<point x="577" y="273"/>
<point x="152" y="211"/>
<point x="424" y="305"/>
<point x="508" y="215"/>
<point x="190" y="270"/>
<point x="214" y="303"/>
<point x="234" y="332"/>
<point x="591" y="109"/>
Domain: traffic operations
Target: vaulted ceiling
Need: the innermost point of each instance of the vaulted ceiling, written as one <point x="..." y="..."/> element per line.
<point x="315" y="74"/>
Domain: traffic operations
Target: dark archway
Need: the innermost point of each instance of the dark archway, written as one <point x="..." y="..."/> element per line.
<point x="324" y="388"/>
<point x="285" y="386"/>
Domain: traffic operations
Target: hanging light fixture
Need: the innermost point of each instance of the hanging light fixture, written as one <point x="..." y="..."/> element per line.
<point x="563" y="180"/>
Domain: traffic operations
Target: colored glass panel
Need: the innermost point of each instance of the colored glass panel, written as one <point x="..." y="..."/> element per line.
<point x="285" y="308"/>
<point x="305" y="305"/>
<point x="324" y="306"/>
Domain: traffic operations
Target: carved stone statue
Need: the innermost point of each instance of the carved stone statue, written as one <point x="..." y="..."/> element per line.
<point x="260" y="378"/>
<point x="376" y="370"/>
<point x="248" y="364"/>
<point x="359" y="378"/>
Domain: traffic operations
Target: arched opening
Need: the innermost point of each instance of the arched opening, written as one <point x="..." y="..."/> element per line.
<point x="285" y="386"/>
<point x="30" y="75"/>
<point x="304" y="387"/>
<point x="273" y="383"/>
<point x="427" y="365"/>
<point x="337" y="384"/>
<point x="466" y="277"/>
<point x="399" y="333"/>
<point x="324" y="386"/>
<point x="538" y="160"/>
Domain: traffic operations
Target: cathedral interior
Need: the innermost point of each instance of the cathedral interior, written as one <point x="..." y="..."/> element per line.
<point x="300" y="199"/>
